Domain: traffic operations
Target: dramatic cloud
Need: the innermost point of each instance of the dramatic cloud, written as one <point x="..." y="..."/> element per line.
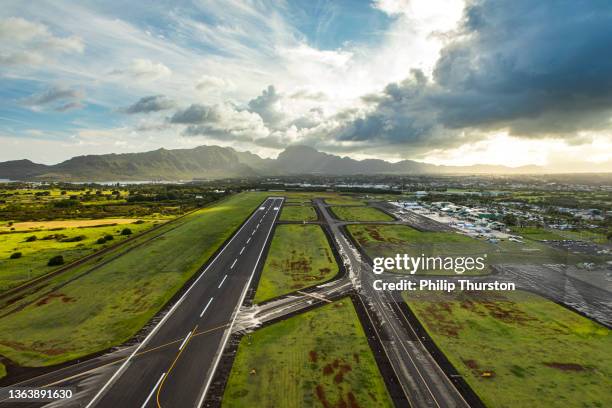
<point x="537" y="67"/>
<point x="505" y="69"/>
<point x="420" y="79"/>
<point x="58" y="98"/>
<point x="26" y="42"/>
<point x="222" y="122"/>
<point x="267" y="107"/>
<point x="143" y="69"/>
<point x="149" y="104"/>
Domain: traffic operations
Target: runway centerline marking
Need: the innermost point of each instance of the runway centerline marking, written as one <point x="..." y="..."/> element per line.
<point x="144" y="404"/>
<point x="184" y="341"/>
<point x="206" y="307"/>
<point x="234" y="263"/>
<point x="221" y="284"/>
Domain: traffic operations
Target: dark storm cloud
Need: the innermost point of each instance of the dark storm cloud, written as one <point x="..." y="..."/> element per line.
<point x="538" y="68"/>
<point x="154" y="103"/>
<point x="535" y="66"/>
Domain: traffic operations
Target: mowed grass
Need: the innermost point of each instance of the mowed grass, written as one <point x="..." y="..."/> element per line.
<point x="298" y="213"/>
<point x="318" y="358"/>
<point x="360" y="214"/>
<point x="540" y="234"/>
<point x="389" y="240"/>
<point x="299" y="257"/>
<point x="516" y="349"/>
<point x="109" y="305"/>
<point x="70" y="242"/>
<point x="2" y="370"/>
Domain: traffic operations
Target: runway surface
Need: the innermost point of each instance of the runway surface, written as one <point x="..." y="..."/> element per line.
<point x="198" y="326"/>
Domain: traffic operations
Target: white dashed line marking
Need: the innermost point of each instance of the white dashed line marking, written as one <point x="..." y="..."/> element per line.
<point x="184" y="341"/>
<point x="206" y="307"/>
<point x="144" y="404"/>
<point x="221" y="284"/>
<point x="234" y="263"/>
<point x="249" y="240"/>
<point x="242" y="250"/>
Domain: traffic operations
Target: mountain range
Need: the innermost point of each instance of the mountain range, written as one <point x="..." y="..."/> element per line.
<point x="214" y="162"/>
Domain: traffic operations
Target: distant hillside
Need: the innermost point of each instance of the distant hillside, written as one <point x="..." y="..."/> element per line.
<point x="214" y="162"/>
<point x="306" y="160"/>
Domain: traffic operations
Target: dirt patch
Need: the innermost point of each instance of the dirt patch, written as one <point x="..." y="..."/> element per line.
<point x="352" y="400"/>
<point x="321" y="396"/>
<point x="471" y="364"/>
<point x="51" y="296"/>
<point x="312" y="356"/>
<point x="566" y="366"/>
<point x="440" y="318"/>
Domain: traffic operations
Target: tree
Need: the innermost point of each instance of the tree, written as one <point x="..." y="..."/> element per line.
<point x="16" y="255"/>
<point x="510" y="220"/>
<point x="56" y="260"/>
<point x="126" y="231"/>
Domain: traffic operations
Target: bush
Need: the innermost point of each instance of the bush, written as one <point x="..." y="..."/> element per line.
<point x="65" y="203"/>
<point x="126" y="231"/>
<point x="74" y="239"/>
<point x="16" y="255"/>
<point x="101" y="241"/>
<point x="56" y="260"/>
<point x="31" y="238"/>
<point x="139" y="222"/>
<point x="108" y="237"/>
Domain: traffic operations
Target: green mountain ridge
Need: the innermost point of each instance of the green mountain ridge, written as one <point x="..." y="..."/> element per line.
<point x="214" y="162"/>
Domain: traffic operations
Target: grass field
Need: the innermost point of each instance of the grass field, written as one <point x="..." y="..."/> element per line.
<point x="299" y="256"/>
<point x="516" y="349"/>
<point x="2" y="370"/>
<point x="536" y="233"/>
<point x="360" y="214"/>
<point x="318" y="358"/>
<point x="298" y="213"/>
<point x="388" y="240"/>
<point x="109" y="305"/>
<point x="46" y="225"/>
<point x="345" y="200"/>
<point x="65" y="238"/>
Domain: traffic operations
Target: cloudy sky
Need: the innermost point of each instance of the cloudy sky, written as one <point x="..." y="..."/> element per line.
<point x="442" y="81"/>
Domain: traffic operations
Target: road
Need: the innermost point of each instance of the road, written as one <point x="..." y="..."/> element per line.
<point x="424" y="383"/>
<point x="198" y="326"/>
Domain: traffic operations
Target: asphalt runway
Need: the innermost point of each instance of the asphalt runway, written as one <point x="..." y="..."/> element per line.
<point x="198" y="325"/>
